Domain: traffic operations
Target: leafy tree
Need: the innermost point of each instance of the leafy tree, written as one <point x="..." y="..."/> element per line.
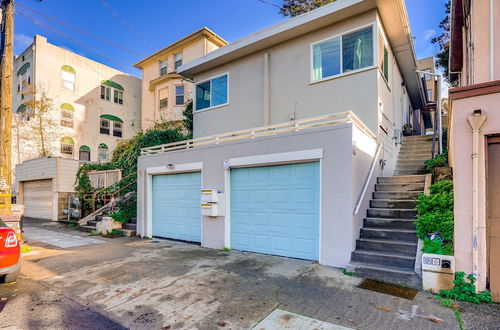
<point x="293" y="8"/>
<point x="443" y="40"/>
<point x="188" y="117"/>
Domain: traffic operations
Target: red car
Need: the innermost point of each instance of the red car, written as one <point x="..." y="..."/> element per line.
<point x="10" y="254"/>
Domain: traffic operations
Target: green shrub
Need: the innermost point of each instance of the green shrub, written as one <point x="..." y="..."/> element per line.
<point x="435" y="222"/>
<point x="438" y="161"/>
<point x="442" y="186"/>
<point x="116" y="232"/>
<point x="465" y="290"/>
<point x="436" y="246"/>
<point x="126" y="210"/>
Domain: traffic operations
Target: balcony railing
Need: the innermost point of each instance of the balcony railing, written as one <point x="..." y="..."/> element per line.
<point x="288" y="127"/>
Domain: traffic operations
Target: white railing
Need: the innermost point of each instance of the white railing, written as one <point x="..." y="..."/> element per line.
<point x="287" y="127"/>
<point x="104" y="179"/>
<point x="368" y="178"/>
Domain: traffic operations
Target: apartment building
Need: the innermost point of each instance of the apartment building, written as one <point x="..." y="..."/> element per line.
<point x="164" y="91"/>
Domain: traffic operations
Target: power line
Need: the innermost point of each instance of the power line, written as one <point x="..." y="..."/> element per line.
<point x="269" y="3"/>
<point x="124" y="22"/>
<point x="81" y="31"/>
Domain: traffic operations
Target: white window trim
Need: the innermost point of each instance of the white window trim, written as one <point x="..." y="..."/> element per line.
<point x="183" y="95"/>
<point x="339" y="35"/>
<point x="277" y="158"/>
<point x="387" y="45"/>
<point x="112" y="95"/>
<point x="215" y="106"/>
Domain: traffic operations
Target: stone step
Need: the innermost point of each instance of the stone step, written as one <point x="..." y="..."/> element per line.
<point x="394" y="259"/>
<point x="416" y="166"/>
<point x="417" y="137"/>
<point x="396" y="194"/>
<point x="133" y="220"/>
<point x="132" y="226"/>
<point x="399" y="186"/>
<point x="386" y="273"/>
<point x="392" y="203"/>
<point x="421" y="160"/>
<point x="418" y="154"/>
<point x="128" y="232"/>
<point x="92" y="223"/>
<point x="404" y="161"/>
<point x="386" y="245"/>
<point x="389" y="223"/>
<point x="416" y="146"/>
<point x="402" y="179"/>
<point x="87" y="229"/>
<point x="389" y="234"/>
<point x="391" y="213"/>
<point x="409" y="172"/>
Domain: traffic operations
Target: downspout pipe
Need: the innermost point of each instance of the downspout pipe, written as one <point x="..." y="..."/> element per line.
<point x="476" y="121"/>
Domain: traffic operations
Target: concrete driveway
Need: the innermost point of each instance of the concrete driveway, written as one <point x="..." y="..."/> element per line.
<point x="155" y="284"/>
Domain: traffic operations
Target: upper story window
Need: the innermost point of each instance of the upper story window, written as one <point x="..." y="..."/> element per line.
<point x="177" y="60"/>
<point x="179" y="95"/>
<point x="68" y="77"/>
<point x="102" y="152"/>
<point x="163" y="96"/>
<point x="23" y="77"/>
<point x="67" y="114"/>
<point x="163" y="67"/>
<point x="111" y="91"/>
<point x="84" y="153"/>
<point x="67" y="144"/>
<point x="23" y="112"/>
<point x="111" y="125"/>
<point x="345" y="53"/>
<point x="212" y="93"/>
<point x="383" y="56"/>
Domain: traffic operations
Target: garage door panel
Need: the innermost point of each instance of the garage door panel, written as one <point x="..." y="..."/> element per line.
<point x="275" y="210"/>
<point x="37" y="199"/>
<point x="176" y="206"/>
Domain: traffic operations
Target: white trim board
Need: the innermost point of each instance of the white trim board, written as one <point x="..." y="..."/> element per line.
<point x="178" y="168"/>
<point x="311" y="154"/>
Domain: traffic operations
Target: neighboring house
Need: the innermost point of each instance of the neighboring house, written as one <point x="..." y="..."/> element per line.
<point x="94" y="107"/>
<point x="423" y="119"/>
<point x="287" y="125"/>
<point x="164" y="91"/>
<point x="475" y="139"/>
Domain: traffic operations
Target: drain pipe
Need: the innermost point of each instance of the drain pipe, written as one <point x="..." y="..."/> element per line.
<point x="476" y="121"/>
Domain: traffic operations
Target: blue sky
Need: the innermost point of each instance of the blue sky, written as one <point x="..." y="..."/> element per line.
<point x="161" y="22"/>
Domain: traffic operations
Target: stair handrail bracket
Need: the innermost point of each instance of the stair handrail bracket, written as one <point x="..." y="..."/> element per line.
<point x="368" y="178"/>
<point x="270" y="130"/>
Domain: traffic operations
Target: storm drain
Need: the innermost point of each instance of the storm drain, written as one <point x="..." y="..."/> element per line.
<point x="390" y="289"/>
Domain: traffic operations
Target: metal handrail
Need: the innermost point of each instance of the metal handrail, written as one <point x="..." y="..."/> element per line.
<point x="292" y="126"/>
<point x="368" y="178"/>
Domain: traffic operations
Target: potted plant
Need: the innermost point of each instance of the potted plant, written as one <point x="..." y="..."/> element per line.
<point x="407" y="129"/>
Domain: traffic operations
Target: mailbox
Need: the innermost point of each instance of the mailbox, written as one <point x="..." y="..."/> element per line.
<point x="209" y="209"/>
<point x="438" y="272"/>
<point x="209" y="195"/>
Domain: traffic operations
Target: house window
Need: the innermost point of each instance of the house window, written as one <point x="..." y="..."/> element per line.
<point x="23" y="77"/>
<point x="102" y="152"/>
<point x="109" y="88"/>
<point x="66" y="118"/>
<point x="105" y="126"/>
<point x="383" y="56"/>
<point x="68" y="77"/>
<point x="84" y="153"/>
<point x="106" y="93"/>
<point x="177" y="60"/>
<point x="163" y="68"/>
<point x="67" y="146"/>
<point x="179" y="95"/>
<point x="117" y="129"/>
<point x="349" y="52"/>
<point x="212" y="93"/>
<point x="163" y="96"/>
<point x="118" y="97"/>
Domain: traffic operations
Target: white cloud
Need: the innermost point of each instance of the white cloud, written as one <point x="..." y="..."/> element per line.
<point x="21" y="41"/>
<point x="428" y="34"/>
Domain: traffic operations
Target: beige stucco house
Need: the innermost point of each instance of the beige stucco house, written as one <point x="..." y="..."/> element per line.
<point x="475" y="139"/>
<point x="164" y="91"/>
<point x="288" y="124"/>
<point x="93" y="108"/>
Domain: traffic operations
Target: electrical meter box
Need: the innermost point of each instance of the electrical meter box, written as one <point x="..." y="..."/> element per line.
<point x="209" y="195"/>
<point x="438" y="272"/>
<point x="209" y="209"/>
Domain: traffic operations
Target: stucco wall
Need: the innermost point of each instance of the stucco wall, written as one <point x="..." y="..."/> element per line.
<point x="461" y="161"/>
<point x="337" y="190"/>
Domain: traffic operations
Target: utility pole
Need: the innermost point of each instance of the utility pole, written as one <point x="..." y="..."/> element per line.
<point x="6" y="64"/>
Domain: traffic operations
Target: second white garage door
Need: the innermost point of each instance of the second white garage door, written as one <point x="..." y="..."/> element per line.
<point x="275" y="210"/>
<point x="38" y="199"/>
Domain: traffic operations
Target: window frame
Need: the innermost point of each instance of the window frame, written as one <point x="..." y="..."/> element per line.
<point x="163" y="67"/>
<point x="67" y="145"/>
<point x="340" y="35"/>
<point x="117" y="131"/>
<point x="178" y="95"/>
<point x="64" y="80"/>
<point x="100" y="151"/>
<point x="70" y="121"/>
<point x="109" y="94"/>
<point x="175" y="61"/>
<point x="165" y="98"/>
<point x="386" y="48"/>
<point x="204" y="81"/>
<point x="101" y="127"/>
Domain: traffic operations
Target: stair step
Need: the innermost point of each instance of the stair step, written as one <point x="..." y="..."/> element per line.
<point x="400" y="186"/>
<point x="92" y="223"/>
<point x="386" y="245"/>
<point x="409" y="172"/>
<point x="129" y="232"/>
<point x="389" y="234"/>
<point x="389" y="223"/>
<point x="393" y="203"/>
<point x="393" y="259"/>
<point x="402" y="179"/>
<point x="129" y="225"/>
<point x="391" y="213"/>
<point x="87" y="229"/>
<point x="386" y="273"/>
<point x="396" y="194"/>
<point x="133" y="220"/>
<point x="410" y="162"/>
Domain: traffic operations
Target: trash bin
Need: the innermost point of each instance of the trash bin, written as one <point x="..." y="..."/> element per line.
<point x="438" y="272"/>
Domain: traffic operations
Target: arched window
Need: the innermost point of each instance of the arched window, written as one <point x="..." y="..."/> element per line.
<point x="68" y="77"/>
<point x="111" y="124"/>
<point x="67" y="144"/>
<point x="112" y="91"/>
<point x="84" y="153"/>
<point x="67" y="114"/>
<point x="103" y="152"/>
<point x="23" y="77"/>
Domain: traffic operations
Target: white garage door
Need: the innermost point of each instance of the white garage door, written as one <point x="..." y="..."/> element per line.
<point x="37" y="199"/>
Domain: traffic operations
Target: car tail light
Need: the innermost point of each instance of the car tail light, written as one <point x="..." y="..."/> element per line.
<point x="11" y="240"/>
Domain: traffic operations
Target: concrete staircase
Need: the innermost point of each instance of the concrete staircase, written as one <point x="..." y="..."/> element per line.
<point x="387" y="247"/>
<point x="129" y="228"/>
